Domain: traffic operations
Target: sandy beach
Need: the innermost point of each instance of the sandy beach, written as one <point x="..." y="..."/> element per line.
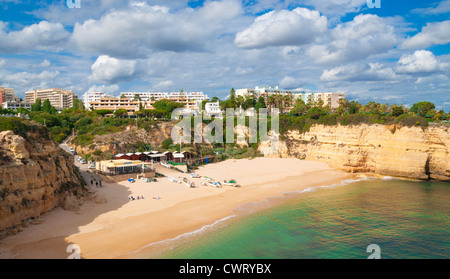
<point x="121" y="227"/>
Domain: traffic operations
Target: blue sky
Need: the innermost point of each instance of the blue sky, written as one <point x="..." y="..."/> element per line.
<point x="399" y="53"/>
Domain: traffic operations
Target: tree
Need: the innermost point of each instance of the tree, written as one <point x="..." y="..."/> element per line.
<point x="103" y="112"/>
<point x="47" y="107"/>
<point x="122" y="96"/>
<point x="37" y="106"/>
<point x="204" y="104"/>
<point x="239" y="101"/>
<point x="422" y="108"/>
<point x="397" y="110"/>
<point x="137" y="97"/>
<point x="165" y="144"/>
<point x="167" y="105"/>
<point x="300" y="108"/>
<point x="233" y="98"/>
<point x="315" y="113"/>
<point x="353" y="107"/>
<point x="270" y="101"/>
<point x="260" y="103"/>
<point x="23" y="110"/>
<point x="249" y="102"/>
<point x="120" y="113"/>
<point x="215" y="99"/>
<point x="78" y="104"/>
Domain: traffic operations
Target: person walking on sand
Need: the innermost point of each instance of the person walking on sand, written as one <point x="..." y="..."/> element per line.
<point x="91" y="182"/>
<point x="96" y="184"/>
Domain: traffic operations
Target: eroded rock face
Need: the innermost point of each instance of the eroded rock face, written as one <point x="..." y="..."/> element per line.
<point x="122" y="142"/>
<point x="35" y="176"/>
<point x="413" y="152"/>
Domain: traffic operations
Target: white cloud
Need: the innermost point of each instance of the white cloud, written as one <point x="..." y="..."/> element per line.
<point x="35" y="80"/>
<point x="43" y="64"/>
<point x="364" y="36"/>
<point x="297" y="27"/>
<point x="140" y="30"/>
<point x="41" y="36"/>
<point x="432" y="34"/>
<point x="336" y="7"/>
<point x="359" y="72"/>
<point x="111" y="70"/>
<point x="165" y="84"/>
<point x="441" y="8"/>
<point x="421" y="61"/>
<point x="291" y="82"/>
<point x="110" y="89"/>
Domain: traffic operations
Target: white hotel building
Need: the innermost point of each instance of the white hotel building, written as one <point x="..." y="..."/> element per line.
<point x="89" y="97"/>
<point x="98" y="100"/>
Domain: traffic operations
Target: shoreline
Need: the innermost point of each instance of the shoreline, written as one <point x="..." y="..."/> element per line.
<point x="155" y="249"/>
<point x="123" y="229"/>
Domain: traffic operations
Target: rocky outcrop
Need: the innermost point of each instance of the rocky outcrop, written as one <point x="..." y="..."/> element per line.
<point x="36" y="175"/>
<point x="127" y="140"/>
<point x="413" y="152"/>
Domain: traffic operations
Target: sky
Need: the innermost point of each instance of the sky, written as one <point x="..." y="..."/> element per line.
<point x="398" y="53"/>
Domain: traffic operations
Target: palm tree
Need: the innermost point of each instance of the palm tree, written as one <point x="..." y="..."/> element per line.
<point x="270" y="102"/>
<point x="239" y="100"/>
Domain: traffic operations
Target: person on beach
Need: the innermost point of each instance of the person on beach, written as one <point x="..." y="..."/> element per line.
<point x="91" y="182"/>
<point x="96" y="184"/>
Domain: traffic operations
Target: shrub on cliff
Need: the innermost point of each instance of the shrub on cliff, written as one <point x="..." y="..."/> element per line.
<point x="412" y="120"/>
<point x="14" y="124"/>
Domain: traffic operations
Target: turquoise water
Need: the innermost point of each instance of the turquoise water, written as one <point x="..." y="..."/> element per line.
<point x="405" y="219"/>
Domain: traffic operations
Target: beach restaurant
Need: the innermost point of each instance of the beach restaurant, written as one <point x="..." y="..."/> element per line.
<point x="155" y="156"/>
<point x="180" y="157"/>
<point x="122" y="166"/>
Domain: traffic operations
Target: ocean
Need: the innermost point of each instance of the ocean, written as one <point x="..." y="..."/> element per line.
<point x="400" y="219"/>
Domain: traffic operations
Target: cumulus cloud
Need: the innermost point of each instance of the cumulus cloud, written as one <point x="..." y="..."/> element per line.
<point x="41" y="36"/>
<point x="432" y="34"/>
<point x="110" y="89"/>
<point x="291" y="82"/>
<point x="359" y="72"/>
<point x="365" y="35"/>
<point x="336" y="7"/>
<point x="421" y="61"/>
<point x="165" y="84"/>
<point x="27" y="79"/>
<point x="281" y="28"/>
<point x="112" y="70"/>
<point x="141" y="29"/>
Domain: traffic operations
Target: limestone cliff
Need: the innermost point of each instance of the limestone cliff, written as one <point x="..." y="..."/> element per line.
<point x="126" y="141"/>
<point x="36" y="175"/>
<point x="413" y="152"/>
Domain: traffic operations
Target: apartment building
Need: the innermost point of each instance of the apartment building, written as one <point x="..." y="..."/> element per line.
<point x="15" y="105"/>
<point x="89" y="97"/>
<point x="213" y="109"/>
<point x="191" y="100"/>
<point x="289" y="96"/>
<point x="114" y="103"/>
<point x="285" y="99"/>
<point x="59" y="98"/>
<point x="7" y="95"/>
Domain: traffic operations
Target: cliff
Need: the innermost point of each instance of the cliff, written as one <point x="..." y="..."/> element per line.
<point x="127" y="140"/>
<point x="412" y="152"/>
<point x="36" y="175"/>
